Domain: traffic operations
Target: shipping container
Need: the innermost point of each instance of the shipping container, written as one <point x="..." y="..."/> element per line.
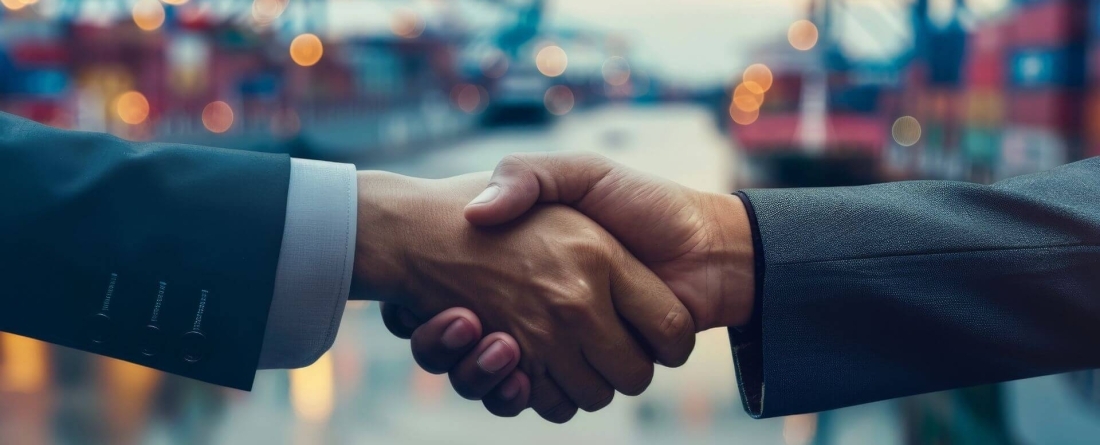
<point x="1047" y="67"/>
<point x="981" y="146"/>
<point x="984" y="71"/>
<point x="1027" y="149"/>
<point x="1049" y="23"/>
<point x="984" y="108"/>
<point x="1052" y="109"/>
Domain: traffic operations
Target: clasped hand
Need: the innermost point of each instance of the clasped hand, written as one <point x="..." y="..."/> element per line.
<point x="592" y="270"/>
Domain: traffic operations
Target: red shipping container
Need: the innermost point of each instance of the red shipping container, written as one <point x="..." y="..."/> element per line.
<point x="1053" y="109"/>
<point x="1049" y="23"/>
<point x="989" y="40"/>
<point x="985" y="71"/>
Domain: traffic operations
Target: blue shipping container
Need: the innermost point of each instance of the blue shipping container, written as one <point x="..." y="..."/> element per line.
<point x="41" y="82"/>
<point x="1047" y="67"/>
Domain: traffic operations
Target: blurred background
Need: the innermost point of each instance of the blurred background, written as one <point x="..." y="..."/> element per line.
<point x="716" y="94"/>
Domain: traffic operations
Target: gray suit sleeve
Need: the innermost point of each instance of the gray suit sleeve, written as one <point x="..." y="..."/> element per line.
<point x="889" y="290"/>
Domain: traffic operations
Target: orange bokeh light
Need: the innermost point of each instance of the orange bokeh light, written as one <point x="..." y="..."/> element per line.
<point x="148" y="14"/>
<point x="748" y="96"/>
<point x="758" y="74"/>
<point x="13" y="5"/>
<point x="743" y="117"/>
<point x="306" y="50"/>
<point x="132" y="107"/>
<point x="802" y="34"/>
<point x="217" y="117"/>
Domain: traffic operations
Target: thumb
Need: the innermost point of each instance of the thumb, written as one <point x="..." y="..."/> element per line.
<point x="522" y="180"/>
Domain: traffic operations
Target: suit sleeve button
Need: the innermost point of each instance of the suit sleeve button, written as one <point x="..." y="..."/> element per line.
<point x="152" y="340"/>
<point x="100" y="328"/>
<point x="193" y="346"/>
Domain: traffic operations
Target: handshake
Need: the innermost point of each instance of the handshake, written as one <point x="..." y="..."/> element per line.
<point x="590" y="269"/>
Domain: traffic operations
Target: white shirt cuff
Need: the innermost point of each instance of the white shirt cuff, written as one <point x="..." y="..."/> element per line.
<point x="313" y="277"/>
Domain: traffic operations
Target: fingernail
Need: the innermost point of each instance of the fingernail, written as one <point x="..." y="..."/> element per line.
<point x="486" y="195"/>
<point x="495" y="357"/>
<point x="510" y="389"/>
<point x="456" y="335"/>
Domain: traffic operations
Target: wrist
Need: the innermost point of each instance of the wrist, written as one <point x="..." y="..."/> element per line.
<point x="380" y="265"/>
<point x="732" y="260"/>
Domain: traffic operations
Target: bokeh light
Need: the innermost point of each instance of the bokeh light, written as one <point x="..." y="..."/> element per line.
<point x="148" y="14"/>
<point x="551" y="61"/>
<point x="495" y="64"/>
<point x="743" y="117"/>
<point x="470" y="98"/>
<point x="407" y="24"/>
<point x="748" y="96"/>
<point x="616" y="71"/>
<point x="25" y="367"/>
<point x="906" y="131"/>
<point x="306" y="49"/>
<point x="13" y="5"/>
<point x="802" y="34"/>
<point x="266" y="11"/>
<point x="757" y="75"/>
<point x="132" y="107"/>
<point x="217" y="117"/>
<point x="312" y="391"/>
<point x="175" y="2"/>
<point x="559" y="100"/>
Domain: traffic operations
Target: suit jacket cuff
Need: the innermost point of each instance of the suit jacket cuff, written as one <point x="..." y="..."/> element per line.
<point x="747" y="341"/>
<point x="313" y="278"/>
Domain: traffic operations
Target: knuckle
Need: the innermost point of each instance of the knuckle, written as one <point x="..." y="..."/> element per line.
<point x="600" y="398"/>
<point x="638" y="380"/>
<point x="559" y="411"/>
<point x="465" y="388"/>
<point x="676" y="328"/>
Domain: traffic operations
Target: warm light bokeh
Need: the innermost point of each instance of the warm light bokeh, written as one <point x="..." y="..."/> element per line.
<point x="407" y="24"/>
<point x="312" y="392"/>
<point x="148" y="14"/>
<point x="132" y="107"/>
<point x="748" y="96"/>
<point x="175" y="2"/>
<point x="25" y="364"/>
<point x="759" y="75"/>
<point x="743" y="117"/>
<point x="217" y="117"/>
<point x="803" y="35"/>
<point x="906" y="131"/>
<point x="551" y="61"/>
<point x="306" y="49"/>
<point x="13" y="5"/>
<point x="559" y="100"/>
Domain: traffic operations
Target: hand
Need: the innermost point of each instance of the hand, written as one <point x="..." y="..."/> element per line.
<point x="698" y="243"/>
<point x="451" y="343"/>
<point x="554" y="280"/>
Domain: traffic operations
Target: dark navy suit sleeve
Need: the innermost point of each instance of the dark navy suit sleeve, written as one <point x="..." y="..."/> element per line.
<point x="162" y="255"/>
<point x="874" y="292"/>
